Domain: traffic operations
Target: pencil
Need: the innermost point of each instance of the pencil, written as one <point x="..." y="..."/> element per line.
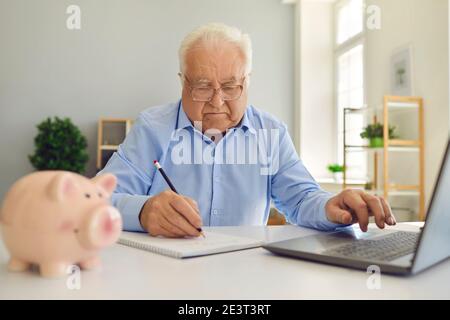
<point x="172" y="187"/>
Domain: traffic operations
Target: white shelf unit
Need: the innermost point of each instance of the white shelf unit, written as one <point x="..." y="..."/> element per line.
<point x="111" y="133"/>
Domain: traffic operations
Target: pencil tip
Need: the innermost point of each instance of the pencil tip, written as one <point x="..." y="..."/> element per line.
<point x="201" y="232"/>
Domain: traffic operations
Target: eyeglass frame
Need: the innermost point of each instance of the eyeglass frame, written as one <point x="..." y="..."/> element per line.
<point x="243" y="79"/>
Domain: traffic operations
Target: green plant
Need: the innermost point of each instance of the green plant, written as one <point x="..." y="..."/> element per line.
<point x="335" y="168"/>
<point x="377" y="131"/>
<point x="59" y="145"/>
<point x="368" y="186"/>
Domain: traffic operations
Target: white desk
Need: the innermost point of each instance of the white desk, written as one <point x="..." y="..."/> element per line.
<point x="130" y="273"/>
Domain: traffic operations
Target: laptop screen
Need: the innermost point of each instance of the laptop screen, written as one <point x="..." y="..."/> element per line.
<point x="434" y="243"/>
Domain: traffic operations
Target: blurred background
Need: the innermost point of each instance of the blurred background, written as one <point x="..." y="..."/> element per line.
<point x="336" y="72"/>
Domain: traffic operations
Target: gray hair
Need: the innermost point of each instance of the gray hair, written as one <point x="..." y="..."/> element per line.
<point x="212" y="33"/>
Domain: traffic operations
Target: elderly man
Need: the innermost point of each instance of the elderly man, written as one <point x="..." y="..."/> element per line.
<point x="227" y="159"/>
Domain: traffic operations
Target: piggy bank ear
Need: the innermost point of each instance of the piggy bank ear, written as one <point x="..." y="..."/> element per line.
<point x="106" y="181"/>
<point x="62" y="186"/>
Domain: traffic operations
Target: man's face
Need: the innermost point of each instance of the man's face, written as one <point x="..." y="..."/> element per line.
<point x="215" y="66"/>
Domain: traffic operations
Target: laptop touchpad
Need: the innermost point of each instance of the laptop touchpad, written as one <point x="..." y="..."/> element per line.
<point x="321" y="242"/>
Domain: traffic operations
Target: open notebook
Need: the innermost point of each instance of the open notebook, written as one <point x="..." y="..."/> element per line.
<point x="188" y="247"/>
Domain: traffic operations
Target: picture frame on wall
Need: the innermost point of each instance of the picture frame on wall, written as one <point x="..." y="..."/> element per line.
<point x="401" y="71"/>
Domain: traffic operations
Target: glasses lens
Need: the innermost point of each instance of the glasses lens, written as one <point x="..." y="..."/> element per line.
<point x="231" y="92"/>
<point x="206" y="94"/>
<point x="202" y="94"/>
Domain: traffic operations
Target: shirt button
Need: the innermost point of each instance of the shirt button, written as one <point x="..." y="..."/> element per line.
<point x="215" y="211"/>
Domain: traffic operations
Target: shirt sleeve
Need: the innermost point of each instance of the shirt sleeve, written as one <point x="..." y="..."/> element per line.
<point x="132" y="165"/>
<point x="294" y="190"/>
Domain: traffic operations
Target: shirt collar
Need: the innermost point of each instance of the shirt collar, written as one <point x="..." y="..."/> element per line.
<point x="183" y="121"/>
<point x="246" y="124"/>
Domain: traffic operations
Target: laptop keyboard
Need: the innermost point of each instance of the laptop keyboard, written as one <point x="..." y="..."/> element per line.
<point x="387" y="248"/>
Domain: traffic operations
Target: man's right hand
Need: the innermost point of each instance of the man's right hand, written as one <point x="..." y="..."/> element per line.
<point x="171" y="215"/>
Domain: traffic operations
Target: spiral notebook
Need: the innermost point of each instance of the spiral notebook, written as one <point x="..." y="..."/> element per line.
<point x="188" y="247"/>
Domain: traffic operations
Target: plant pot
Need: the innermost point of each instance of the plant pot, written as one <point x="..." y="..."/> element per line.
<point x="338" y="176"/>
<point x="376" y="142"/>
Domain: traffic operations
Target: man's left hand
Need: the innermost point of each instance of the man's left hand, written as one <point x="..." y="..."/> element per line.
<point x="351" y="206"/>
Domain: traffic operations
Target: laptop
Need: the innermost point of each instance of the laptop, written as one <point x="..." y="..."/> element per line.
<point x="394" y="252"/>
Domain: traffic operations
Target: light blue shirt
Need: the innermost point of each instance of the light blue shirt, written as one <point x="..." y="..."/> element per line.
<point x="230" y="187"/>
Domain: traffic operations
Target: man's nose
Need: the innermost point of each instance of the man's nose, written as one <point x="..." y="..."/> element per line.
<point x="217" y="100"/>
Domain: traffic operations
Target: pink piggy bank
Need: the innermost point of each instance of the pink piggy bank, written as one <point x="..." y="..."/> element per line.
<point x="55" y="219"/>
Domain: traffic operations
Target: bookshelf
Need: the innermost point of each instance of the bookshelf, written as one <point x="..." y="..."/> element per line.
<point x="111" y="133"/>
<point x="394" y="109"/>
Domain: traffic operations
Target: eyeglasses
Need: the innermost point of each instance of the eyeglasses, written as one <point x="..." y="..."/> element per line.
<point x="206" y="93"/>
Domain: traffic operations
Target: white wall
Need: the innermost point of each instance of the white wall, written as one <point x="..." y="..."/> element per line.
<point x="424" y="24"/>
<point x="123" y="60"/>
<point x="317" y="116"/>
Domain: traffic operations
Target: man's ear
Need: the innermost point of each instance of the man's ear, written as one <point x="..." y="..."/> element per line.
<point x="106" y="181"/>
<point x="62" y="186"/>
<point x="180" y="75"/>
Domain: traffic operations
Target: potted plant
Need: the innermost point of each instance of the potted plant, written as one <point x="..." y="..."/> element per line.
<point x="375" y="134"/>
<point x="336" y="170"/>
<point x="59" y="146"/>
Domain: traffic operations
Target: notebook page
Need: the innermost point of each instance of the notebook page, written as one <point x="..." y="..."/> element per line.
<point x="188" y="247"/>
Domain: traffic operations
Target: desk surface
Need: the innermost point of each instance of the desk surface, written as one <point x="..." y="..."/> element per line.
<point x="130" y="273"/>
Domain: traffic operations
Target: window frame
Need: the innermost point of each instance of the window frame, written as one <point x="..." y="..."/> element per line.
<point x="339" y="50"/>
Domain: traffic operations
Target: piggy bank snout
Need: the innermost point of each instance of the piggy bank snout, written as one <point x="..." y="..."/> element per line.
<point x="101" y="228"/>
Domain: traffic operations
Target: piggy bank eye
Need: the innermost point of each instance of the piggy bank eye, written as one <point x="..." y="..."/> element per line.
<point x="87" y="195"/>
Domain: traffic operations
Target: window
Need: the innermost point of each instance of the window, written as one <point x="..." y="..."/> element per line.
<point x="349" y="19"/>
<point x="349" y="87"/>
